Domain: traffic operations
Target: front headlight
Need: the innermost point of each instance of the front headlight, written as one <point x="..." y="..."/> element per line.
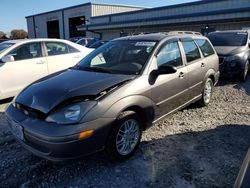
<point x="71" y="114"/>
<point x="235" y="57"/>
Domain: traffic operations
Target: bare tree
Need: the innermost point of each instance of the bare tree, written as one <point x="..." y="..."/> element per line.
<point x="2" y="35"/>
<point x="18" y="34"/>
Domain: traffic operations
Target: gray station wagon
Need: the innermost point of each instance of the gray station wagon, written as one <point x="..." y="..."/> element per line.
<point x="113" y="94"/>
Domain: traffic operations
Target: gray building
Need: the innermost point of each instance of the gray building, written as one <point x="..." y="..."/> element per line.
<point x="106" y="22"/>
<point x="64" y="23"/>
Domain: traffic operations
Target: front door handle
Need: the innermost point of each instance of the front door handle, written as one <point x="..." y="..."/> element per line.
<point x="202" y="64"/>
<point x="181" y="75"/>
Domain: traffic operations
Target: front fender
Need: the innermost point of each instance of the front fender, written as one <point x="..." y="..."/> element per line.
<point x="145" y="104"/>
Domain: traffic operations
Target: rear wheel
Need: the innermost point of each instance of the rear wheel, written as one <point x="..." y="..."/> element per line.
<point x="125" y="136"/>
<point x="245" y="72"/>
<point x="207" y="93"/>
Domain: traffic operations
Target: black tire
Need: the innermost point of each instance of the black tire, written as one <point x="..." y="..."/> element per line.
<point x="244" y="73"/>
<point x="111" y="145"/>
<point x="204" y="101"/>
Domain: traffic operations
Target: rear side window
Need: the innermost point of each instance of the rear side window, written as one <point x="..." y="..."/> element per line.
<point x="59" y="48"/>
<point x="205" y="47"/>
<point x="191" y="50"/>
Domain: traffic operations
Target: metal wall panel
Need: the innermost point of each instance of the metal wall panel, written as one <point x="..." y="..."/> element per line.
<point x="30" y="26"/>
<point x="98" y="10"/>
<point x="154" y="13"/>
<point x="41" y="23"/>
<point x="75" y="12"/>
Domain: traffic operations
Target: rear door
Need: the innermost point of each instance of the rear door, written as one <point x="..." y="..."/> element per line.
<point x="170" y="90"/>
<point x="28" y="66"/>
<point x="196" y="67"/>
<point x="61" y="56"/>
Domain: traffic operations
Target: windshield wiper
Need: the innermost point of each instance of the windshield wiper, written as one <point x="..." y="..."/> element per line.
<point x="95" y="69"/>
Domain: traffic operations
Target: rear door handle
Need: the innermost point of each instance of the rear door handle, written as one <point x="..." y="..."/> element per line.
<point x="181" y="75"/>
<point x="202" y="64"/>
<point x="41" y="62"/>
<point x="77" y="56"/>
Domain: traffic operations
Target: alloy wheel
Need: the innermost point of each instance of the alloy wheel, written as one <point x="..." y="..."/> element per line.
<point x="127" y="137"/>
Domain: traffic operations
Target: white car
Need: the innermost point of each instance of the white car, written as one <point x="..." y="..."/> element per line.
<point x="25" y="61"/>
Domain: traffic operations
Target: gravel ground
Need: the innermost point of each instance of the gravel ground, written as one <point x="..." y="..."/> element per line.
<point x="196" y="147"/>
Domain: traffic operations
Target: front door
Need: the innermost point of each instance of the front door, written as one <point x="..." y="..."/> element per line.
<point x="28" y="66"/>
<point x="170" y="90"/>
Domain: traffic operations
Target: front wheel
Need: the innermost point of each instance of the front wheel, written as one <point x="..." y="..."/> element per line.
<point x="125" y="136"/>
<point x="207" y="93"/>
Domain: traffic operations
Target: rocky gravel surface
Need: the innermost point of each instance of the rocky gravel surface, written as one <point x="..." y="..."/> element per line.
<point x="195" y="147"/>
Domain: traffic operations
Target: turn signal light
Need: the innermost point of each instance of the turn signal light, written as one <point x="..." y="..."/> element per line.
<point x="86" y="134"/>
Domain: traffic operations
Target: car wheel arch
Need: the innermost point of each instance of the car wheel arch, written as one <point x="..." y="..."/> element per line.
<point x="210" y="74"/>
<point x="139" y="104"/>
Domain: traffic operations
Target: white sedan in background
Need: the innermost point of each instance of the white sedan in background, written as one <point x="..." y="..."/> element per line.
<point x="25" y="61"/>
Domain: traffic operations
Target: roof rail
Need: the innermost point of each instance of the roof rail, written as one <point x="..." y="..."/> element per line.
<point x="183" y="32"/>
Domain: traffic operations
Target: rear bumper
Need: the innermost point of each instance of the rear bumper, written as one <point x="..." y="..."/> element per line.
<point x="59" y="142"/>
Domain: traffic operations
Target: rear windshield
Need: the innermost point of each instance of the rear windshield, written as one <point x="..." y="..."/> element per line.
<point x="4" y="46"/>
<point x="228" y="39"/>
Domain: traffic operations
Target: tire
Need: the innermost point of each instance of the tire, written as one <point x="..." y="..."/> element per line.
<point x="206" y="93"/>
<point x="122" y="141"/>
<point x="244" y="72"/>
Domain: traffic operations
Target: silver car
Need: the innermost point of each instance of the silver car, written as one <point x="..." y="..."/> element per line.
<point x="113" y="94"/>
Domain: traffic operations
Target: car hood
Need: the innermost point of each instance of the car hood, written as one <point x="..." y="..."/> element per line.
<point x="45" y="94"/>
<point x="229" y="50"/>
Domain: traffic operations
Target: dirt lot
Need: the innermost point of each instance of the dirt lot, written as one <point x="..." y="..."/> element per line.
<point x="196" y="147"/>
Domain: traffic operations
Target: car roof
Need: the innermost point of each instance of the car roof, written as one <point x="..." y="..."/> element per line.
<point x="33" y="40"/>
<point x="231" y="31"/>
<point x="159" y="36"/>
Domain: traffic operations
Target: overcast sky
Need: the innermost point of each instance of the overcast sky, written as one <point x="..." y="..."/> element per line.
<point x="13" y="12"/>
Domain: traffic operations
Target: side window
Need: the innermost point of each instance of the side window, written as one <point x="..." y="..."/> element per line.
<point x="191" y="50"/>
<point x="72" y="49"/>
<point x="56" y="48"/>
<point x="82" y="42"/>
<point x="205" y="47"/>
<point x="170" y="55"/>
<point x="27" y="51"/>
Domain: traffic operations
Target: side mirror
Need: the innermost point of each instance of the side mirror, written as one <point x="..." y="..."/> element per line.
<point x="8" y="58"/>
<point x="161" y="70"/>
<point x="166" y="70"/>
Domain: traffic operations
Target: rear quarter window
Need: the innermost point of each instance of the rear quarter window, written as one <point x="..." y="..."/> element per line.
<point x="205" y="47"/>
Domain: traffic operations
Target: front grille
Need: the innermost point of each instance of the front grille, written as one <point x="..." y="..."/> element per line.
<point x="31" y="112"/>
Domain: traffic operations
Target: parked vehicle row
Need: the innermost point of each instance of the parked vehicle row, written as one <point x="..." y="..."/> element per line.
<point x="25" y="61"/>
<point x="88" y="42"/>
<point x="113" y="94"/>
<point x="84" y="41"/>
<point x="106" y="100"/>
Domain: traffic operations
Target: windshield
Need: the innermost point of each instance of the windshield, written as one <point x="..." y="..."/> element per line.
<point x="118" y="57"/>
<point x="4" y="46"/>
<point x="228" y="39"/>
